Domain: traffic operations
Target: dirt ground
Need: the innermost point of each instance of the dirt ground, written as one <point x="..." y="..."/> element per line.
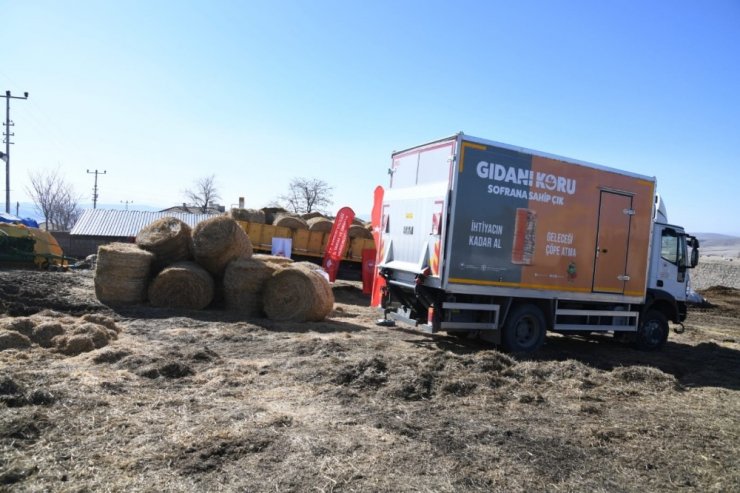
<point x="204" y="401"/>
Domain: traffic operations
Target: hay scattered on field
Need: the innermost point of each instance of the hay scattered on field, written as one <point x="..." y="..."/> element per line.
<point x="23" y="325"/>
<point x="256" y="216"/>
<point x="297" y="294"/>
<point x="217" y="241"/>
<point x="273" y="259"/>
<point x="168" y="239"/>
<point x="122" y="273"/>
<point x="10" y="339"/>
<point x="100" y="335"/>
<point x="72" y="345"/>
<point x="46" y="331"/>
<point x="359" y="231"/>
<point x="291" y="221"/>
<point x="244" y="281"/>
<point x="182" y="285"/>
<point x="59" y="332"/>
<point x="320" y="224"/>
<point x="103" y="320"/>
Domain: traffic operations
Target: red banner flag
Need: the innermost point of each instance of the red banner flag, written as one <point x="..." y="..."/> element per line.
<point x="368" y="270"/>
<point x="337" y="241"/>
<point x="376" y="219"/>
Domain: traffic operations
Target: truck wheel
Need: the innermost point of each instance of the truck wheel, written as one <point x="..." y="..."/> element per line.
<point x="524" y="330"/>
<point x="653" y="331"/>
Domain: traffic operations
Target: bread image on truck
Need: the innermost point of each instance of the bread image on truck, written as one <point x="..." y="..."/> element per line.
<point x="479" y="237"/>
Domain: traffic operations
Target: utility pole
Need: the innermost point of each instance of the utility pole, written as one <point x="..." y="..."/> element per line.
<point x="95" y="188"/>
<point x="127" y="202"/>
<point x="8" y="134"/>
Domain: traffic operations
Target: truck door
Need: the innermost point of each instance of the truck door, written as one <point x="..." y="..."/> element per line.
<point x="612" y="242"/>
<point x="669" y="268"/>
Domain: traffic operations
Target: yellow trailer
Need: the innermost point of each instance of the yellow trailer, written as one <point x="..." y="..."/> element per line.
<point x="305" y="243"/>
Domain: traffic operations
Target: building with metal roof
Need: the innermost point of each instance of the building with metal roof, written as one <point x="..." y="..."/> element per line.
<point x="97" y="227"/>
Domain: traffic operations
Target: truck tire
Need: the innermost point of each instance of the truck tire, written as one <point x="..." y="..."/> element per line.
<point x="524" y="330"/>
<point x="653" y="331"/>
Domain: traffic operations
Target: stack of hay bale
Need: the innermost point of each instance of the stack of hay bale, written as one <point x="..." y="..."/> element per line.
<point x="172" y="266"/>
<point x="312" y="221"/>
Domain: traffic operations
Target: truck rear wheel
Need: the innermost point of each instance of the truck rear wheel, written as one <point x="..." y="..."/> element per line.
<point x="524" y="330"/>
<point x="653" y="331"/>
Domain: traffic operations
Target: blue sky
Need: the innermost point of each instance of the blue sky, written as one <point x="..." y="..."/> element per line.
<point x="161" y="93"/>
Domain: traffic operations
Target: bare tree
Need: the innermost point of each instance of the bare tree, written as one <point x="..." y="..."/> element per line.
<point x="54" y="199"/>
<point x="204" y="193"/>
<point x="307" y="195"/>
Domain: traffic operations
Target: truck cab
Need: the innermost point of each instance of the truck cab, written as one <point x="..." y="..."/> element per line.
<point x="673" y="252"/>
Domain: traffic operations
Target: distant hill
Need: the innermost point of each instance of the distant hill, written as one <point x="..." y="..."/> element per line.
<point x="719" y="245"/>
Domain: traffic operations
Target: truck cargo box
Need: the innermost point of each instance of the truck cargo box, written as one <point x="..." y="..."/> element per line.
<point x="477" y="216"/>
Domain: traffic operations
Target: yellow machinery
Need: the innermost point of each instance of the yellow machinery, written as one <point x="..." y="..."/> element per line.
<point x="25" y="245"/>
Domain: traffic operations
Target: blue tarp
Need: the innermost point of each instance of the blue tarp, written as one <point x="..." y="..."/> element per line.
<point x="9" y="218"/>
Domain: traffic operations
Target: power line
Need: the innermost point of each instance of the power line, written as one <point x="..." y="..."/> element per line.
<point x="127" y="202"/>
<point x="8" y="134"/>
<point x="95" y="188"/>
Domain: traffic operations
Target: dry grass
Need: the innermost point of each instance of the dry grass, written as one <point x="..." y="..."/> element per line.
<point x="216" y="404"/>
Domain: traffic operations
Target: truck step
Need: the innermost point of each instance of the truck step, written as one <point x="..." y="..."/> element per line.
<point x="468" y="326"/>
<point x="595" y="328"/>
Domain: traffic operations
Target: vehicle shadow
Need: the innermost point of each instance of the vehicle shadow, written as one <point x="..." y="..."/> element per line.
<point x="703" y="365"/>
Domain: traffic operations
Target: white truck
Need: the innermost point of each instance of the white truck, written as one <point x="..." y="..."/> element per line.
<point x="480" y="237"/>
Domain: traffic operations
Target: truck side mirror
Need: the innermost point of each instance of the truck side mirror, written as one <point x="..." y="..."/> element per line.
<point x="694" y="261"/>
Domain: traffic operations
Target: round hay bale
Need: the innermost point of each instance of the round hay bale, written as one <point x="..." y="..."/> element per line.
<point x="297" y="294"/>
<point x="44" y="332"/>
<point x="256" y="216"/>
<point x="10" y="339"/>
<point x="121" y="273"/>
<point x="217" y="241"/>
<point x="321" y="224"/>
<point x="358" y="231"/>
<point x="273" y="259"/>
<point x="270" y="213"/>
<point x="182" y="285"/>
<point x="168" y="239"/>
<point x="311" y="215"/>
<point x="244" y="281"/>
<point x="290" y="221"/>
<point x="23" y="325"/>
